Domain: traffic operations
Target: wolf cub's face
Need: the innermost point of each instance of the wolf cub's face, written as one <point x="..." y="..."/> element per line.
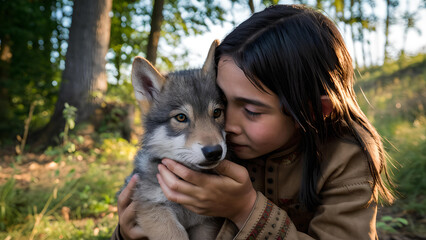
<point x="184" y="114"/>
<point x="186" y="124"/>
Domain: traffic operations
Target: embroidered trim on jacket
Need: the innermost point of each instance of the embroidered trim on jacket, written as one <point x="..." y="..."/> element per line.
<point x="262" y="221"/>
<point x="284" y="229"/>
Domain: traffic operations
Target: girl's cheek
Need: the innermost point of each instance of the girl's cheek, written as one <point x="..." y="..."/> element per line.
<point x="259" y="134"/>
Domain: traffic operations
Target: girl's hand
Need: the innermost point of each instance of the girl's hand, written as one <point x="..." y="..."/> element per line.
<point x="129" y="229"/>
<point x="229" y="194"/>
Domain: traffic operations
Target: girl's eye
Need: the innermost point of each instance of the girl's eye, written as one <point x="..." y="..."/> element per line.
<point x="181" y="118"/>
<point x="217" y="113"/>
<point x="251" y="114"/>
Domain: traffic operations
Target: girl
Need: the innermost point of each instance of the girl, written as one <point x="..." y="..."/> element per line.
<point x="309" y="162"/>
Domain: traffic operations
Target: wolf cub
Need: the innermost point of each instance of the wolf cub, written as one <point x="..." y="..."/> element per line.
<point x="184" y="121"/>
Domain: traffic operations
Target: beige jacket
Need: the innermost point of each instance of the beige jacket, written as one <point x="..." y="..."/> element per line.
<point x="344" y="188"/>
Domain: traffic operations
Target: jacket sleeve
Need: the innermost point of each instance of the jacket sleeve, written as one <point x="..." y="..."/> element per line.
<point x="268" y="221"/>
<point x="333" y="219"/>
<point x="346" y="210"/>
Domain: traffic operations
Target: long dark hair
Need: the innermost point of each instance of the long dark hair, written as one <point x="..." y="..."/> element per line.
<point x="299" y="54"/>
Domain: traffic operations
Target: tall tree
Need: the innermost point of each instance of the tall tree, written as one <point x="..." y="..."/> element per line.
<point x="369" y="26"/>
<point x="319" y="4"/>
<point x="251" y="5"/>
<point x="172" y="19"/>
<point x="26" y="66"/>
<point x="138" y="23"/>
<point x="390" y="7"/>
<point x="84" y="79"/>
<point x="128" y="34"/>
<point x="154" y="35"/>
<point x="339" y="10"/>
<point x="410" y="19"/>
<point x="351" y="22"/>
<point x="361" y="23"/>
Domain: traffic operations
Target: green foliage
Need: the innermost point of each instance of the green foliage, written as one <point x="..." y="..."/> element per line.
<point x="40" y="216"/>
<point x="120" y="93"/>
<point x="68" y="146"/>
<point x="69" y="113"/>
<point x="130" y="26"/>
<point x="32" y="71"/>
<point x="129" y="34"/>
<point x="410" y="153"/>
<point x="89" y="174"/>
<point x="19" y="149"/>
<point x="86" y="184"/>
<point x="45" y="213"/>
<point x="391" y="224"/>
<point x="113" y="124"/>
<point x="116" y="148"/>
<point x="395" y="105"/>
<point x="8" y="211"/>
<point x="118" y="111"/>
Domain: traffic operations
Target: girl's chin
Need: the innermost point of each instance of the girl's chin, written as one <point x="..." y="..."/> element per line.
<point x="244" y="153"/>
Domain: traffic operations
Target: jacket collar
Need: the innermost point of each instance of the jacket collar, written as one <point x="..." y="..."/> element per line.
<point x="285" y="156"/>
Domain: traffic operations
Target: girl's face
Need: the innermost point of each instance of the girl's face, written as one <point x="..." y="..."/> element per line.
<point x="255" y="124"/>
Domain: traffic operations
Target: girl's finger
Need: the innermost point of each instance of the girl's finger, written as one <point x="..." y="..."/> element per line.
<point x="125" y="197"/>
<point x="183" y="172"/>
<point x="196" y="210"/>
<point x="128" y="216"/>
<point x="232" y="170"/>
<point x="128" y="225"/>
<point x="136" y="232"/>
<point x="175" y="196"/>
<point x="174" y="183"/>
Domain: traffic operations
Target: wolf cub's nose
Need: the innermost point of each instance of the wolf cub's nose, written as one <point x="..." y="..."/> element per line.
<point x="212" y="153"/>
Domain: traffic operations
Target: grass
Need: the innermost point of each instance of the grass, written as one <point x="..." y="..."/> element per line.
<point x="74" y="200"/>
<point x="69" y="192"/>
<point x="396" y="106"/>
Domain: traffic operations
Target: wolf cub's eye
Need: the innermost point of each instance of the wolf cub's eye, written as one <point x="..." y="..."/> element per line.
<point x="181" y="118"/>
<point x="217" y="113"/>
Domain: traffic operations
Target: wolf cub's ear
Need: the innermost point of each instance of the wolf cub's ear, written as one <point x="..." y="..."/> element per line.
<point x="146" y="80"/>
<point x="208" y="67"/>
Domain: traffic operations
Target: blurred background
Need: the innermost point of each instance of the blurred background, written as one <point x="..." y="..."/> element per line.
<point x="70" y="126"/>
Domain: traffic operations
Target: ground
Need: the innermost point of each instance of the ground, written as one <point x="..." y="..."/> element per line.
<point x="40" y="171"/>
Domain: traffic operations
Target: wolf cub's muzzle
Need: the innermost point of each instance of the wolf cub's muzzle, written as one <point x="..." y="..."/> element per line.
<point x="212" y="153"/>
<point x="213" y="156"/>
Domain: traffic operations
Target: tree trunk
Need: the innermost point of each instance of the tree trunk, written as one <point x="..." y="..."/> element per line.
<point x="154" y="35"/>
<point x="387" y="25"/>
<point x="84" y="79"/>
<point x="361" y="34"/>
<point x="5" y="58"/>
<point x="319" y="4"/>
<point x="351" y="26"/>
<point x="5" y="53"/>
<point x="117" y="64"/>
<point x="363" y="47"/>
<point x="251" y="5"/>
<point x="370" y="47"/>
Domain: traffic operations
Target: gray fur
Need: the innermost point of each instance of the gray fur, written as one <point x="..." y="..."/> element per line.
<point x="159" y="217"/>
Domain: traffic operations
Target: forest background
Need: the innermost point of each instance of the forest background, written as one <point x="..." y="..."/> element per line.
<point x="69" y="125"/>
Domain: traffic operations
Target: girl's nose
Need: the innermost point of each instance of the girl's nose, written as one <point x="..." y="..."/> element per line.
<point x="232" y="125"/>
